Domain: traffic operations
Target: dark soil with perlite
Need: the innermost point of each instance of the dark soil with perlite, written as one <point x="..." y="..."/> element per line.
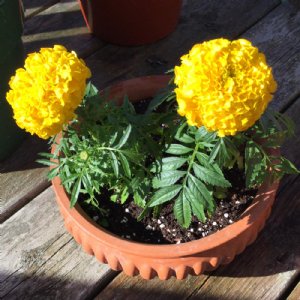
<point x="122" y="219"/>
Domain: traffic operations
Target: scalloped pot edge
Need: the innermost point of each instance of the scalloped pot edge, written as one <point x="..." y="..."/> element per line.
<point x="163" y="261"/>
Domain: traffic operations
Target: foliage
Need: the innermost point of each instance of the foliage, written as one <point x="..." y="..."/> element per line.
<point x="158" y="158"/>
<point x="211" y="118"/>
<point x="108" y="146"/>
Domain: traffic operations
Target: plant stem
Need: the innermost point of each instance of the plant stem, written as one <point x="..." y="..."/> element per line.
<point x="191" y="163"/>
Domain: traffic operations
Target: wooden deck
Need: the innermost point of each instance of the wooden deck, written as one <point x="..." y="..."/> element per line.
<point x="40" y="260"/>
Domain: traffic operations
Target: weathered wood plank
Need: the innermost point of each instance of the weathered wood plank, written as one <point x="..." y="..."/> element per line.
<point x="278" y="36"/>
<point x="135" y="288"/>
<point x="200" y="20"/>
<point x="39" y="259"/>
<point x="295" y="294"/>
<point x="21" y="179"/>
<point x="33" y="7"/>
<point x="63" y="24"/>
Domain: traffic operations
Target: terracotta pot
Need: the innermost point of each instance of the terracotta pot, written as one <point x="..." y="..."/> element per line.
<point x="163" y="261"/>
<point x="131" y="22"/>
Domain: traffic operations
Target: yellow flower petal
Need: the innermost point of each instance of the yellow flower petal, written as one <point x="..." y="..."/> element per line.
<point x="224" y="85"/>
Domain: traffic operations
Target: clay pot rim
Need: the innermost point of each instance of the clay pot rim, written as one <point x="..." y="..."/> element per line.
<point x="79" y="217"/>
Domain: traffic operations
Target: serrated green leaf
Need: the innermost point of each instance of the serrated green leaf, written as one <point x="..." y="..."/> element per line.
<point x="164" y="195"/>
<point x="125" y="137"/>
<point x="210" y="176"/>
<point x="200" y="191"/>
<point x="202" y="135"/>
<point x="114" y="163"/>
<point x="178" y="149"/>
<point x="181" y="136"/>
<point x="125" y="164"/>
<point x="214" y="152"/>
<point x="203" y="159"/>
<point x="75" y="192"/>
<point x="173" y="162"/>
<point x="197" y="207"/>
<point x="255" y="165"/>
<point x="182" y="211"/>
<point x="167" y="178"/>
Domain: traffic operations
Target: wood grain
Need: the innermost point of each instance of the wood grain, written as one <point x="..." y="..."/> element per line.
<point x="278" y="36"/>
<point x="295" y="294"/>
<point x="62" y="24"/>
<point x="33" y="7"/>
<point x="40" y="259"/>
<point x="21" y="178"/>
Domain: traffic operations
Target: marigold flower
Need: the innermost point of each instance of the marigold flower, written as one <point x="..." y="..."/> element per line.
<point x="45" y="94"/>
<point x="223" y="85"/>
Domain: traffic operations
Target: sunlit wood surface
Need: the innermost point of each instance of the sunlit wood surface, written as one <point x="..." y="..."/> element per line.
<point x="40" y="260"/>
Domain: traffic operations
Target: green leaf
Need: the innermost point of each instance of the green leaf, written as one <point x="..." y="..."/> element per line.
<point x="203" y="159"/>
<point x="181" y="136"/>
<point x="178" y="149"/>
<point x="288" y="167"/>
<point x="90" y="90"/>
<point x="157" y="100"/>
<point x="46" y="154"/>
<point x="200" y="192"/>
<point x="125" y="137"/>
<point x="46" y="162"/>
<point x="75" y="192"/>
<point x="202" y="135"/>
<point x="172" y="163"/>
<point x="214" y="152"/>
<point x="53" y="173"/>
<point x="164" y="195"/>
<point x="167" y="178"/>
<point x="255" y="165"/>
<point x="127" y="106"/>
<point x="138" y="199"/>
<point x="124" y="195"/>
<point x="114" y="163"/>
<point x="125" y="164"/>
<point x="197" y="207"/>
<point x="182" y="211"/>
<point x="210" y="176"/>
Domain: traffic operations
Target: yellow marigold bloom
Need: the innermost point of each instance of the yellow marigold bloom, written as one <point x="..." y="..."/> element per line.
<point x="45" y="94"/>
<point x="223" y="85"/>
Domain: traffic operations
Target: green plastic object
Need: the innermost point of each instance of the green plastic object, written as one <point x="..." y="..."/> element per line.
<point x="11" y="57"/>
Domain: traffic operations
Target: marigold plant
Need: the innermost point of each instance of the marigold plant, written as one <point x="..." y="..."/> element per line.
<point x="45" y="93"/>
<point x="185" y="148"/>
<point x="223" y="85"/>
